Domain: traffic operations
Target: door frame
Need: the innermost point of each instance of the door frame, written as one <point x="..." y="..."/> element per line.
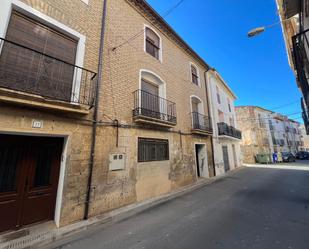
<point x="235" y="156"/>
<point x="228" y="157"/>
<point x="196" y="163"/>
<point x="62" y="170"/>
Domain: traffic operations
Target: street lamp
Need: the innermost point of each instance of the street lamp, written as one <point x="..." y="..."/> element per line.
<point x="256" y="31"/>
<point x="259" y="30"/>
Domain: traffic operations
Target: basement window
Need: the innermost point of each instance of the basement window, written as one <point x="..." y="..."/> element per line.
<point x="152" y="150"/>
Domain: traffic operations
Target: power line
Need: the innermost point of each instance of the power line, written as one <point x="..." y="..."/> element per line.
<point x="168" y="12"/>
<point x="173" y="8"/>
<point x="285" y="105"/>
<point x="267" y="118"/>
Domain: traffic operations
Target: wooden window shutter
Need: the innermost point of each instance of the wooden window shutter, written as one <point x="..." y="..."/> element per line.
<point x="29" y="71"/>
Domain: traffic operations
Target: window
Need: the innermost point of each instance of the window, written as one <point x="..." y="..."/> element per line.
<point x="232" y="123"/>
<point x="229" y="105"/>
<point x="261" y="123"/>
<point x="29" y="72"/>
<point x="218" y="95"/>
<point x="152" y="150"/>
<point x="197" y="105"/>
<point x="271" y="127"/>
<point x="152" y="43"/>
<point x="221" y="116"/>
<point x="194" y="75"/>
<point x="150" y="101"/>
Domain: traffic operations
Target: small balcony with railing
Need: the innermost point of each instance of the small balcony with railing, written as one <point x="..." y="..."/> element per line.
<point x="305" y="115"/>
<point x="32" y="78"/>
<point x="226" y="130"/>
<point x="152" y="109"/>
<point x="201" y="124"/>
<point x="301" y="62"/>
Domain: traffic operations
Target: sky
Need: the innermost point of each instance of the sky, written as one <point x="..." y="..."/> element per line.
<point x="256" y="69"/>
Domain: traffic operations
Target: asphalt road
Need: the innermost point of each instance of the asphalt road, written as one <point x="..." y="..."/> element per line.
<point x="249" y="209"/>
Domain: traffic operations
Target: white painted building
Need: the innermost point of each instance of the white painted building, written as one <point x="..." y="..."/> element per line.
<point x="285" y="134"/>
<point x="304" y="138"/>
<point x="226" y="137"/>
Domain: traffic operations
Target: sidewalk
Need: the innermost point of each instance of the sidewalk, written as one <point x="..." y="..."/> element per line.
<point x="287" y="166"/>
<point x="43" y="234"/>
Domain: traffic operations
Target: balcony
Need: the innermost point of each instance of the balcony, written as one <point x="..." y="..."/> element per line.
<point x="301" y="62"/>
<point x="29" y="77"/>
<point x="230" y="131"/>
<point x="152" y="109"/>
<point x="201" y="124"/>
<point x="305" y="115"/>
<point x="291" y="7"/>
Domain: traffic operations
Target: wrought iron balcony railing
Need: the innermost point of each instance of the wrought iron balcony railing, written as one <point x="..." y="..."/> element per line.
<point x="152" y="107"/>
<point x="227" y="130"/>
<point x="301" y="61"/>
<point x="201" y="122"/>
<point x="305" y="114"/>
<point x="29" y="71"/>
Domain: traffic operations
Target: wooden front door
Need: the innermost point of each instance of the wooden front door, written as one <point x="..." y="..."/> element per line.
<point x="29" y="172"/>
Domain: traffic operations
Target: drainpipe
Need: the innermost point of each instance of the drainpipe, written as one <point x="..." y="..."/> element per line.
<point x="96" y="111"/>
<point x="117" y="132"/>
<point x="208" y="104"/>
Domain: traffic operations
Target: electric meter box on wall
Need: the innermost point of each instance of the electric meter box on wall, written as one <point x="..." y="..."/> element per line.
<point x="116" y="162"/>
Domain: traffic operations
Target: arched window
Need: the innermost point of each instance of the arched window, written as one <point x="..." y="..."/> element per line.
<point x="197" y="105"/>
<point x="194" y="75"/>
<point x="197" y="109"/>
<point x="153" y="43"/>
<point x="152" y="94"/>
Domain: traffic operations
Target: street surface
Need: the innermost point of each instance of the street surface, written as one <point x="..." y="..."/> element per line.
<point x="252" y="208"/>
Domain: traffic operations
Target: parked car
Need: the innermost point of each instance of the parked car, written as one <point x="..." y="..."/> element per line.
<point x="302" y="155"/>
<point x="288" y="157"/>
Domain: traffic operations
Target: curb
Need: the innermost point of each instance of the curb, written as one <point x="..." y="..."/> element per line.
<point x="61" y="236"/>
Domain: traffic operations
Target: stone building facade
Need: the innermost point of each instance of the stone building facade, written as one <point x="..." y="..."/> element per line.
<point x="153" y="133"/>
<point x="42" y="117"/>
<point x="266" y="132"/>
<point x="156" y="61"/>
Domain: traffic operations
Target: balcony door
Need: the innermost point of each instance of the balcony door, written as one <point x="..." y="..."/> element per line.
<point x="195" y="104"/>
<point x="150" y="100"/>
<point x="27" y="68"/>
<point x="197" y="113"/>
